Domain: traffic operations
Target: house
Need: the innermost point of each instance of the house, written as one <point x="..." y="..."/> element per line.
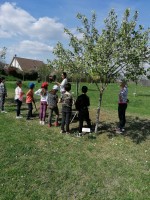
<point x="25" y="64"/>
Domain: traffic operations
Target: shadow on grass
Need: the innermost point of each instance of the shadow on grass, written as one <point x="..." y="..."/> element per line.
<point x="137" y="129"/>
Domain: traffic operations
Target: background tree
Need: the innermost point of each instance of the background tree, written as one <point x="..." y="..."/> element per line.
<point x="2" y="58"/>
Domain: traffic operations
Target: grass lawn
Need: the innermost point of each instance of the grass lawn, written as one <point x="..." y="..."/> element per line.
<point x="39" y="163"/>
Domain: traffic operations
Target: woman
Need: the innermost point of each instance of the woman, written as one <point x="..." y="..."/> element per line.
<point x="122" y="106"/>
<point x="63" y="83"/>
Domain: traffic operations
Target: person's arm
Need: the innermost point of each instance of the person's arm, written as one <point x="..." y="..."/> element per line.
<point x="57" y="83"/>
<point x="38" y="92"/>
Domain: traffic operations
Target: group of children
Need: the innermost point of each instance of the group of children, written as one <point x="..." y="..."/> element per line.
<point x="49" y="101"/>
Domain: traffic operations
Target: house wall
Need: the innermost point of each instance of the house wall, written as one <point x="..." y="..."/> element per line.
<point x="16" y="64"/>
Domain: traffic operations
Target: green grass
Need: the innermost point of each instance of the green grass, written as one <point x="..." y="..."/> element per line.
<point x="39" y="163"/>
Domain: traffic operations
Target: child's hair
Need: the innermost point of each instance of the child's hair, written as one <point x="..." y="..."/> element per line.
<point x="18" y="82"/>
<point x="31" y="85"/>
<point x="67" y="87"/>
<point x="44" y="85"/>
<point x="2" y="78"/>
<point x="84" y="89"/>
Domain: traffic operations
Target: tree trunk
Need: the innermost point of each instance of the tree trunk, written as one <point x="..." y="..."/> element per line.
<point x="98" y="111"/>
<point x="77" y="87"/>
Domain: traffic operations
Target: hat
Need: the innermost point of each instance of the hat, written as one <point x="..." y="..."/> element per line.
<point x="31" y="85"/>
<point x="55" y="87"/>
<point x="44" y="85"/>
<point x="123" y="81"/>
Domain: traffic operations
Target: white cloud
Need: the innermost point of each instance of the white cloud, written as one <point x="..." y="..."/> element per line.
<point x="15" y="21"/>
<point x="30" y="47"/>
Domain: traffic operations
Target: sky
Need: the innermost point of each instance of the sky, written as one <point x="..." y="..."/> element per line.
<point x="32" y="28"/>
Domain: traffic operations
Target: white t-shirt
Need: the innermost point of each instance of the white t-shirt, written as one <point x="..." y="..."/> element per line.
<point x="18" y="93"/>
<point x="43" y="97"/>
<point x="62" y="84"/>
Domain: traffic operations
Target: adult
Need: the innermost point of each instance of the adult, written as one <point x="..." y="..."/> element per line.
<point x="63" y="83"/>
<point x="122" y="106"/>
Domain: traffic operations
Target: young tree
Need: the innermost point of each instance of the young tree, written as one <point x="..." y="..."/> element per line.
<point x="117" y="48"/>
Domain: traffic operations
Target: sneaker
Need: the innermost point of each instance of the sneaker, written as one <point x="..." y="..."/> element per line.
<point x="43" y="123"/>
<point x="119" y="131"/>
<point x="19" y="117"/>
<point x="68" y="133"/>
<point x="40" y="122"/>
<point x="56" y="124"/>
<point x="49" y="125"/>
<point x="29" y="119"/>
<point x="79" y="134"/>
<point x="123" y="130"/>
<point x="62" y="131"/>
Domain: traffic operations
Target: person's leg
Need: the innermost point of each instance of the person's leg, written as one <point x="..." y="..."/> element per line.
<point x="56" y="110"/>
<point x="44" y="110"/>
<point x="50" y="116"/>
<point x="41" y="111"/>
<point x="80" y="122"/>
<point x="63" y="121"/>
<point x="19" y="103"/>
<point x="87" y="119"/>
<point x="3" y="101"/>
<point x="124" y="107"/>
<point x="29" y="110"/>
<point x="68" y="116"/>
<point x="120" y="115"/>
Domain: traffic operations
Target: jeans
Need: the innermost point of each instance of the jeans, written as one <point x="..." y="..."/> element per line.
<point x="18" y="103"/>
<point x="121" y="114"/>
<point x="30" y="108"/>
<point x="56" y="111"/>
<point x="66" y="115"/>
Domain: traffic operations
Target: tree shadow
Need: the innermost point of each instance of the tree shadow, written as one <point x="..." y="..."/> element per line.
<point x="144" y="95"/>
<point x="137" y="129"/>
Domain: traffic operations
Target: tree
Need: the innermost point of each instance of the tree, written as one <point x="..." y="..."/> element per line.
<point x="118" y="48"/>
<point x="2" y="57"/>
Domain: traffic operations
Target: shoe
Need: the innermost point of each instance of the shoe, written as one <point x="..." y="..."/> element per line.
<point x="62" y="131"/>
<point x="19" y="117"/>
<point x="68" y="133"/>
<point x="79" y="134"/>
<point x="3" y="111"/>
<point x="56" y="124"/>
<point x="49" y="125"/>
<point x="123" y="130"/>
<point x="40" y="122"/>
<point x="119" y="131"/>
<point x="29" y="119"/>
<point x="43" y="123"/>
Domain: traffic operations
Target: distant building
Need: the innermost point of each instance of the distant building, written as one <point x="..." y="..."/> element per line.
<point x="25" y="64"/>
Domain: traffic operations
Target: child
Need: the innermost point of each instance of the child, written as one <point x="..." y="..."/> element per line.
<point x="52" y="105"/>
<point x="18" y="98"/>
<point x="81" y="105"/>
<point x="66" y="100"/>
<point x="122" y="106"/>
<point x="43" y="105"/>
<point x="29" y="100"/>
<point x="3" y="94"/>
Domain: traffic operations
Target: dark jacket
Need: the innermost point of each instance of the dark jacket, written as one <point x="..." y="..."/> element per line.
<point x="82" y="102"/>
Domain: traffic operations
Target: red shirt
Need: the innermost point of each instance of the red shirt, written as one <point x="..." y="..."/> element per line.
<point x="29" y="96"/>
